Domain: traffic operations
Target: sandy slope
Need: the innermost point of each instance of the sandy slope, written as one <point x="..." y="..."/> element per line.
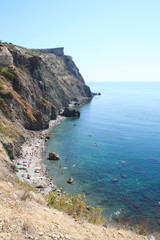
<point x="25" y="215"/>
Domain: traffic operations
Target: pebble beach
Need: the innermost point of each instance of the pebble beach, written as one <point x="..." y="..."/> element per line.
<point x="30" y="167"/>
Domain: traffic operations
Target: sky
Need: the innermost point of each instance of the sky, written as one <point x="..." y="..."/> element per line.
<point x="109" y="40"/>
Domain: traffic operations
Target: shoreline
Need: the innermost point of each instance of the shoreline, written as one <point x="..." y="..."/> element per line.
<point x="30" y="167"/>
<point x="32" y="159"/>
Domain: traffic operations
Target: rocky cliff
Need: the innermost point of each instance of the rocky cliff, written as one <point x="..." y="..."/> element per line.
<point x="34" y="86"/>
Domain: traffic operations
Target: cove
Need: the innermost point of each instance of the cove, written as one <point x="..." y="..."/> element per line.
<point x="124" y="124"/>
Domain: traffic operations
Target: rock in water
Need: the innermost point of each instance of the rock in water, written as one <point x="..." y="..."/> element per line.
<point x="53" y="156"/>
<point x="114" y="180"/>
<point x="70" y="112"/>
<point x="70" y="180"/>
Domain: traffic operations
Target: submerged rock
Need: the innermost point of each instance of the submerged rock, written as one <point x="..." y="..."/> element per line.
<point x="114" y="180"/>
<point x="136" y="205"/>
<point x="70" y="180"/>
<point x="124" y="176"/>
<point x="53" y="156"/>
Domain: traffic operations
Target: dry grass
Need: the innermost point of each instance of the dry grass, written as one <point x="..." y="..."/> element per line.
<point x="8" y="129"/>
<point x="7" y="91"/>
<point x="30" y="217"/>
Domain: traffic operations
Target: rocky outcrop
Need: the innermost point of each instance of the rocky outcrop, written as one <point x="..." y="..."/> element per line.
<point x="56" y="51"/>
<point x="5" y="57"/>
<point x="68" y="112"/>
<point x="53" y="156"/>
<point x="34" y="86"/>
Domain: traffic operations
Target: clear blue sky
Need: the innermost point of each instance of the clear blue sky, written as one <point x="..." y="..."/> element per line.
<point x="109" y="40"/>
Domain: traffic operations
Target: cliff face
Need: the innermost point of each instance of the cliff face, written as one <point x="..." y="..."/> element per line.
<point x="34" y="86"/>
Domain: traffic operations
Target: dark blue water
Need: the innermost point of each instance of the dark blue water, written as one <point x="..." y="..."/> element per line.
<point x="125" y="124"/>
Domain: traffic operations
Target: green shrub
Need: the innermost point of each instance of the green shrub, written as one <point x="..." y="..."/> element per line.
<point x="1" y="128"/>
<point x="45" y="102"/>
<point x="75" y="205"/>
<point x="1" y="85"/>
<point x="33" y="53"/>
<point x="2" y="101"/>
<point x="11" y="46"/>
<point x="8" y="73"/>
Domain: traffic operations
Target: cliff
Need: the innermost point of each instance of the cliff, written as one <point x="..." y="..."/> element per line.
<point x="34" y="86"/>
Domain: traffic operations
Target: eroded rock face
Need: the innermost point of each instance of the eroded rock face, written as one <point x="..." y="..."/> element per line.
<point x="36" y="85"/>
<point x="53" y="156"/>
<point x="5" y="57"/>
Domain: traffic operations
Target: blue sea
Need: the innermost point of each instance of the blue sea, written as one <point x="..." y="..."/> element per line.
<point x="124" y="124"/>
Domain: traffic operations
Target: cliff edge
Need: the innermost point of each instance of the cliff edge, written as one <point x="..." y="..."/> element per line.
<point x="34" y="86"/>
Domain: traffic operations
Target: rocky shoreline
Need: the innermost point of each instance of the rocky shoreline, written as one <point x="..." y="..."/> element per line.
<point x="30" y="167"/>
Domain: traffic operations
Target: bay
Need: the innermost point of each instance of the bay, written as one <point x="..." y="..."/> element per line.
<point x="124" y="124"/>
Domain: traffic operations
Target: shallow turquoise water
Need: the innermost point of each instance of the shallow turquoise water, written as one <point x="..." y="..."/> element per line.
<point x="125" y="123"/>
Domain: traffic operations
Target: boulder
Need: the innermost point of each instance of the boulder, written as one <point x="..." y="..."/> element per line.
<point x="40" y="184"/>
<point x="5" y="57"/>
<point x="53" y="156"/>
<point x="47" y="137"/>
<point x="37" y="197"/>
<point x="114" y="180"/>
<point x="70" y="113"/>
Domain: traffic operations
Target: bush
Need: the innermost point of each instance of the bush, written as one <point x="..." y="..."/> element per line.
<point x="2" y="101"/>
<point x="33" y="53"/>
<point x="8" y="73"/>
<point x="1" y="85"/>
<point x="45" y="102"/>
<point x="75" y="205"/>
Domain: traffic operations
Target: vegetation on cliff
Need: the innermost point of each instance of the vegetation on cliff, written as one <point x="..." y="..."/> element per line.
<point x="75" y="205"/>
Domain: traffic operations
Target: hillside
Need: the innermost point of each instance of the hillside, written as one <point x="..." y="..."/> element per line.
<point x="35" y="86"/>
<point x="25" y="215"/>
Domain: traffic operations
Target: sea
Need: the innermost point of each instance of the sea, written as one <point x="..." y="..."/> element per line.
<point x="112" y="151"/>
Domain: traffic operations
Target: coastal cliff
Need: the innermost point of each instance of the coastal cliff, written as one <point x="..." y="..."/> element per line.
<point x="35" y="84"/>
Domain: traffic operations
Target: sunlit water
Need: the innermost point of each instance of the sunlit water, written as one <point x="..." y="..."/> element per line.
<point x="125" y="124"/>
